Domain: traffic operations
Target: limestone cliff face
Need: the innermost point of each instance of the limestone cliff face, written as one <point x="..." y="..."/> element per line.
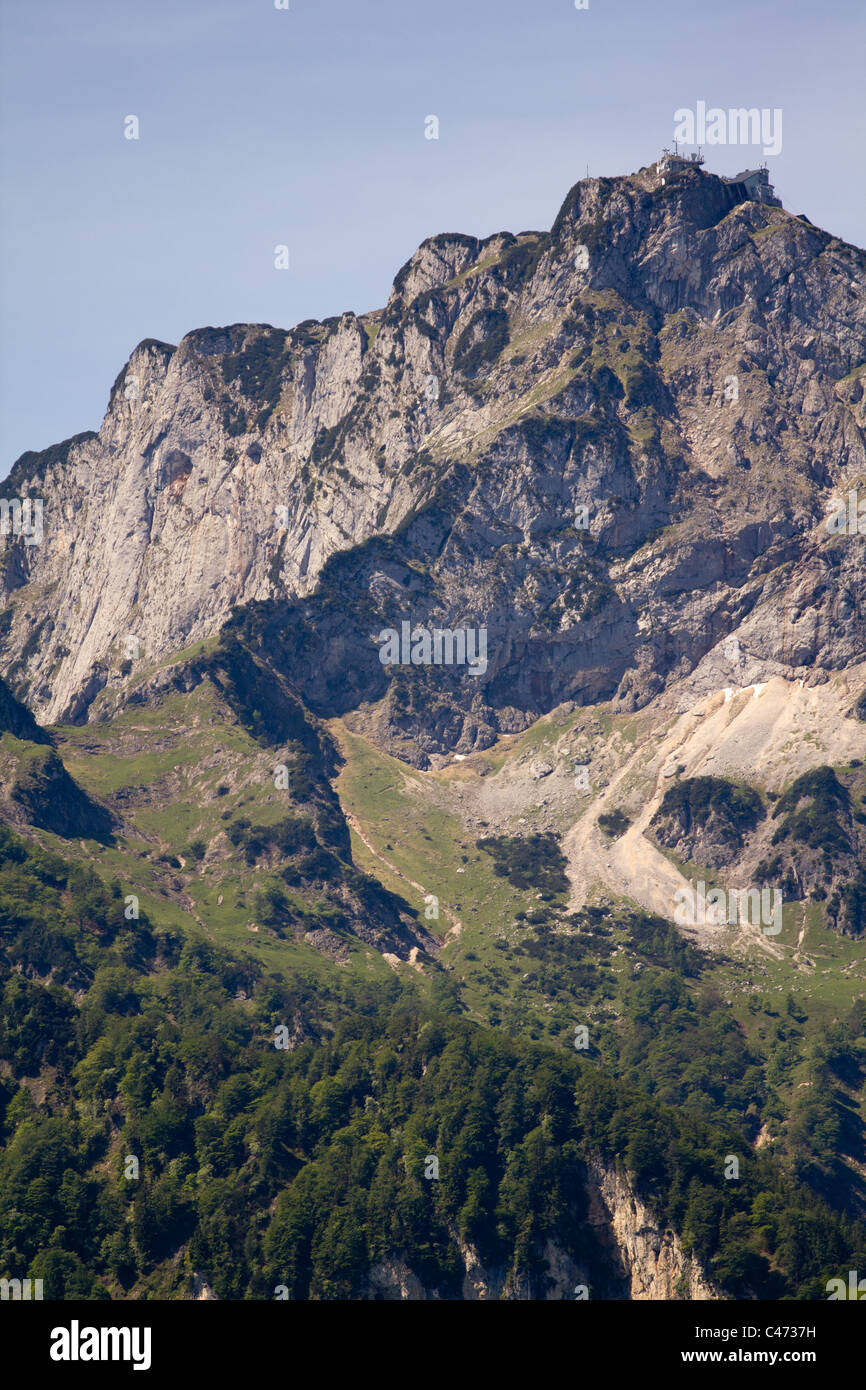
<point x="626" y="1255"/>
<point x="653" y="1258"/>
<point x="613" y="445"/>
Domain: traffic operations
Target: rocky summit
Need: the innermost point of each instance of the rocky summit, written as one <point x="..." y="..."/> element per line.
<point x="614" y="446"/>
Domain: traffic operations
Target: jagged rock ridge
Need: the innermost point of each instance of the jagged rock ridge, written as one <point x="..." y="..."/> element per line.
<point x="613" y="445"/>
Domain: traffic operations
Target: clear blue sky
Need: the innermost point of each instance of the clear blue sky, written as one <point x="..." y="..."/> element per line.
<point x="305" y="127"/>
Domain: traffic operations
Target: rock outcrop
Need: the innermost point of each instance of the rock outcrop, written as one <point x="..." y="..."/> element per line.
<point x="653" y="1258"/>
<point x="625" y="1255"/>
<point x="613" y="446"/>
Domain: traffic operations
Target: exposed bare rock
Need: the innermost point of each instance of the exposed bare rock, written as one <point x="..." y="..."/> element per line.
<point x="392" y="1279"/>
<point x="628" y="1256"/>
<point x="653" y="1258"/>
<point x="201" y="1289"/>
<point x="613" y="446"/>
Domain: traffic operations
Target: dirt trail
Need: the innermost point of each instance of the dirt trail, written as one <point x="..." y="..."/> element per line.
<point x="455" y="927"/>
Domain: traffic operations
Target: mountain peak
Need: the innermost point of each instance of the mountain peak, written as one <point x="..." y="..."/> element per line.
<point x="675" y="358"/>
